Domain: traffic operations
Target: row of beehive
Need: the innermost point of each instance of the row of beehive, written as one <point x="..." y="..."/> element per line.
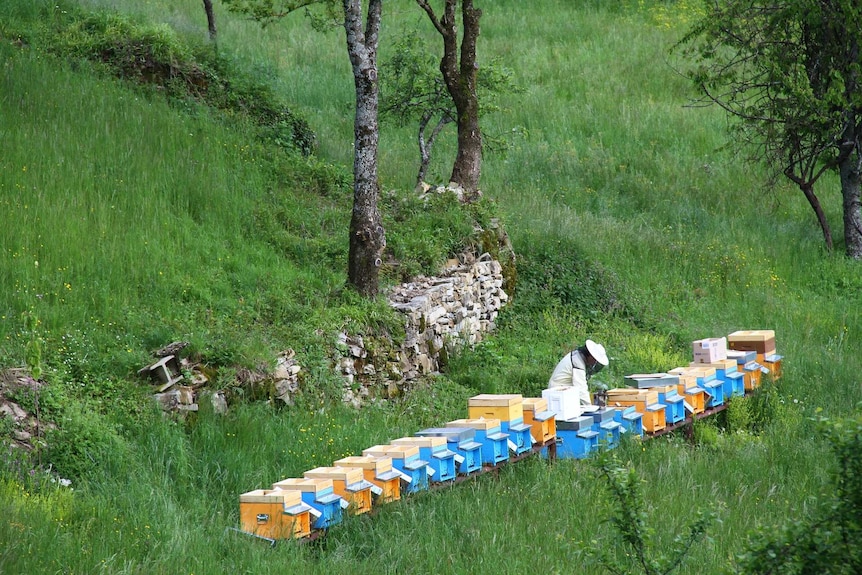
<point x="722" y="368"/>
<point x="500" y="424"/>
<point x="294" y="507"/>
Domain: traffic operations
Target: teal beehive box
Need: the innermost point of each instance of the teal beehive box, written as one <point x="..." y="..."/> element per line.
<point x="461" y="440"/>
<point x="576" y="438"/>
<point x="520" y="436"/>
<point x="495" y="443"/>
<point x="434" y="450"/>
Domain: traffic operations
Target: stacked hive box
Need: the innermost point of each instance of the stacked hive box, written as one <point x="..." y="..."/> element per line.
<point x="564" y="402"/>
<point x="348" y="483"/>
<point x="762" y="342"/>
<point x="274" y="514"/>
<point x="509" y="409"/>
<point x="378" y="471"/>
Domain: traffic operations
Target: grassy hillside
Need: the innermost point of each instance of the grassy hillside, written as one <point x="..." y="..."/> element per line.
<point x="133" y="220"/>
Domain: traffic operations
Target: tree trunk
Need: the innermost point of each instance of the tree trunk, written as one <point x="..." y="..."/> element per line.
<point x="814" y="202"/>
<point x="468" y="162"/>
<point x="850" y="170"/>
<point x="367" y="236"/>
<point x="211" y="22"/>
<point x="460" y="80"/>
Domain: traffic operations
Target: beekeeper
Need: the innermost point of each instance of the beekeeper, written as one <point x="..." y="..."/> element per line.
<point x="578" y="366"/>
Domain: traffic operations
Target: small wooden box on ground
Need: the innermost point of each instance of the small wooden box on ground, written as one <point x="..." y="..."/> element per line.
<point x="434" y="450"/>
<point x="348" y="483"/>
<point x="406" y="461"/>
<point x="495" y="448"/>
<point x="503" y="407"/>
<point x="461" y="440"/>
<point x="274" y="514"/>
<point x="710" y="349"/>
<point x="377" y="470"/>
<point x="320" y="495"/>
<point x="565" y="402"/>
<point x="542" y="421"/>
<point x="760" y="340"/>
<point x="576" y="438"/>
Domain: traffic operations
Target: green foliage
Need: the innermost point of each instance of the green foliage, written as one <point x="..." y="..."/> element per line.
<point x="635" y="550"/>
<point x="554" y="272"/>
<point x="830" y="539"/>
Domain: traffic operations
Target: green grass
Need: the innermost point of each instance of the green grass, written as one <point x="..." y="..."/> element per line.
<point x="633" y="221"/>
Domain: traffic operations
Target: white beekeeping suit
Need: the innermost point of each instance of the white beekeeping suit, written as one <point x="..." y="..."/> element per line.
<point x="577" y="366"/>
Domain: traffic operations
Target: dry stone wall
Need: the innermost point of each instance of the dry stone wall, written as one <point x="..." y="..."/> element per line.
<point x="456" y="308"/>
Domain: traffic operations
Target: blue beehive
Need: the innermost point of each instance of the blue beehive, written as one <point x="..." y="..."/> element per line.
<point x="434" y="450"/>
<point x="495" y="448"/>
<point x="520" y="436"/>
<point x="327" y="508"/>
<point x="607" y="427"/>
<point x="408" y="464"/>
<point x="576" y="437"/>
<point x="461" y="440"/>
<point x="715" y="392"/>
<point x="674" y="405"/>
<point x="630" y="420"/>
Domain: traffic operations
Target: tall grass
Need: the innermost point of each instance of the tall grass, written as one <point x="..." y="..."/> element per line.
<point x="150" y="224"/>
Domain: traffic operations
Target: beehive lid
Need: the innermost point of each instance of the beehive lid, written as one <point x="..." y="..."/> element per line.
<point x="308" y="485"/>
<point x="378" y="464"/>
<point x="492" y="400"/>
<point x="349" y="475"/>
<point x="428" y="441"/>
<point x="483" y="424"/>
<point x="393" y="451"/>
<point x="752" y="335"/>
<point x="279" y="496"/>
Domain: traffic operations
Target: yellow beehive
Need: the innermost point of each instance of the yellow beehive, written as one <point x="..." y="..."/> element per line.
<point x="263" y="512"/>
<point x="542" y="430"/>
<point x="654" y="419"/>
<point x="509" y="407"/>
<point x="348" y="483"/>
<point x="695" y="397"/>
<point x="626" y="396"/>
<point x="374" y="469"/>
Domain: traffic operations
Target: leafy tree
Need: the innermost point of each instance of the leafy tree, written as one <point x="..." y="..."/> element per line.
<point x="459" y="69"/>
<point x="790" y="71"/>
<point x="367" y="236"/>
<point x="415" y="91"/>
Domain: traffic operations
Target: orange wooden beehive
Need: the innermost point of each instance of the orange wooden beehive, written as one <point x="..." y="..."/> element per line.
<point x="377" y="470"/>
<point x="274" y="514"/>
<point x="542" y="422"/>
